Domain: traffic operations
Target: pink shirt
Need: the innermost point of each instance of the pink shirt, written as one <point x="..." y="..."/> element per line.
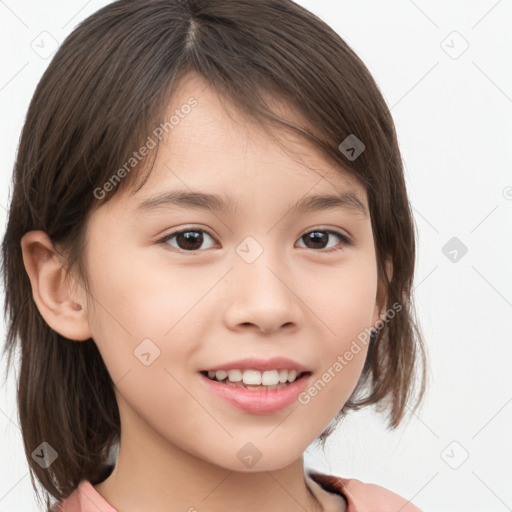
<point x="359" y="496"/>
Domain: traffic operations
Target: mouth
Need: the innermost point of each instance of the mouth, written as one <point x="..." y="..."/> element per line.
<point x="254" y="379"/>
<point x="264" y="391"/>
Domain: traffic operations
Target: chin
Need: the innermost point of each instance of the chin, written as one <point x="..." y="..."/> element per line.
<point x="258" y="456"/>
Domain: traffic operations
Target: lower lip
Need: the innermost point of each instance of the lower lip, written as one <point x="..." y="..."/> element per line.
<point x="258" y="401"/>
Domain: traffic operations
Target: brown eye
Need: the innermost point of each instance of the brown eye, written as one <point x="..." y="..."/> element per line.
<point x="318" y="239"/>
<point x="187" y="240"/>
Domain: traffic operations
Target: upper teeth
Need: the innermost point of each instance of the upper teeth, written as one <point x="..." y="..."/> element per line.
<point x="255" y="377"/>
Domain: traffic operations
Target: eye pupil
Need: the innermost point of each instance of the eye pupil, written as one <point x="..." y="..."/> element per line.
<point x="317" y="237"/>
<point x="190" y="240"/>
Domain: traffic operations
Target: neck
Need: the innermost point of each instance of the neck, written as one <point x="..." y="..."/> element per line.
<point x="132" y="487"/>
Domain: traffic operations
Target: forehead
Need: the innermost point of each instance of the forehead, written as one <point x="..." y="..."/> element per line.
<point x="212" y="147"/>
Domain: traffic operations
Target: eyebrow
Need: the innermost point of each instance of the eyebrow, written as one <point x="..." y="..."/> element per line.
<point x="204" y="201"/>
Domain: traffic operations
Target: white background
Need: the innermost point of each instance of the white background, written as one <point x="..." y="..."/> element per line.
<point x="453" y="113"/>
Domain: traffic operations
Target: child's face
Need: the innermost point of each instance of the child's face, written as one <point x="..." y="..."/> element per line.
<point x="215" y="305"/>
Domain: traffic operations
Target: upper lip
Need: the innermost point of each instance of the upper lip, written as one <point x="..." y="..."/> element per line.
<point x="275" y="363"/>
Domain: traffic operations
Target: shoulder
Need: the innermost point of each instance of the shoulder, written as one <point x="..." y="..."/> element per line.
<point x="365" y="497"/>
<point x="372" y="497"/>
<point x="85" y="498"/>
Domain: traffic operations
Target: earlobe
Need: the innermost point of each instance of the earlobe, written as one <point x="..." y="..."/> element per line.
<point x="62" y="308"/>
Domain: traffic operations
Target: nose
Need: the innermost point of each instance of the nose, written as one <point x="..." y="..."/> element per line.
<point x="261" y="296"/>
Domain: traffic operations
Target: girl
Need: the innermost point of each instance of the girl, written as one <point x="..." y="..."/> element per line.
<point x="208" y="261"/>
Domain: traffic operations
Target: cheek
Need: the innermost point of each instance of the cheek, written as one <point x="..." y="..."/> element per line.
<point x="143" y="297"/>
<point x="138" y="323"/>
<point x="344" y="302"/>
<point x="343" y="298"/>
<point x="138" y="318"/>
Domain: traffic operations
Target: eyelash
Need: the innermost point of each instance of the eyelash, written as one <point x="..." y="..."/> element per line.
<point x="345" y="241"/>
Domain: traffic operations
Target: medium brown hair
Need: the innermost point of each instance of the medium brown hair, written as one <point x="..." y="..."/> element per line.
<point x="103" y="93"/>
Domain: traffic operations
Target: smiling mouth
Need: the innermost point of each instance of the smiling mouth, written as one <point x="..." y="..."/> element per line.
<point x="238" y="382"/>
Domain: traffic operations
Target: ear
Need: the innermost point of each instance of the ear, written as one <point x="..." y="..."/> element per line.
<point x="63" y="309"/>
<point x="380" y="299"/>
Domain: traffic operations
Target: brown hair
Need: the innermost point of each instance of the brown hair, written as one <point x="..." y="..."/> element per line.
<point x="101" y="96"/>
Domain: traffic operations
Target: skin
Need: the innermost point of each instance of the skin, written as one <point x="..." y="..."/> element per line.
<point x="179" y="442"/>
